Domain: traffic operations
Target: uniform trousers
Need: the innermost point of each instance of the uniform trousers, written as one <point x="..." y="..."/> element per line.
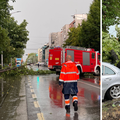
<point x="67" y="100"/>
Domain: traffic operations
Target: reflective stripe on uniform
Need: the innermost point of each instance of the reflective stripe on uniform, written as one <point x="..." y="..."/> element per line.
<point x="61" y="80"/>
<point x="70" y="81"/>
<point x="69" y="73"/>
<point x="75" y="98"/>
<point x="62" y="72"/>
<point x="67" y="102"/>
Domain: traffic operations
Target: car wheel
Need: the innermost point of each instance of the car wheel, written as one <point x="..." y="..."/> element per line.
<point x="113" y="92"/>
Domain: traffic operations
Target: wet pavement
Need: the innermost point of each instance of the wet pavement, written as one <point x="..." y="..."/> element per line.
<point x="35" y="67"/>
<point x="13" y="99"/>
<point x="45" y="98"/>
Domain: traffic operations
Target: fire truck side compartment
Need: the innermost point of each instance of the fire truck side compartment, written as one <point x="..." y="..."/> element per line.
<point x="71" y="52"/>
<point x="86" y="58"/>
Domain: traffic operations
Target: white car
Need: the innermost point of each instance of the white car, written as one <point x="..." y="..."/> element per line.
<point x="110" y="81"/>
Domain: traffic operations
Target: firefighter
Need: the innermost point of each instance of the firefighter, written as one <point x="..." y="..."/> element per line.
<point x="68" y="77"/>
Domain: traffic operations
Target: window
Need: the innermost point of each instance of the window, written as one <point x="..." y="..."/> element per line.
<point x="107" y="71"/>
<point x="93" y="55"/>
<point x="98" y="57"/>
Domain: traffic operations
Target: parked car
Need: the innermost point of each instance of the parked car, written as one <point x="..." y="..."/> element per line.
<point x="110" y="81"/>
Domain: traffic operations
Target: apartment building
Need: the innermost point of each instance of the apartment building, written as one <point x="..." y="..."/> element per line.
<point x="39" y="55"/>
<point x="58" y="38"/>
<point x="46" y="52"/>
<point x="78" y="18"/>
<point x="64" y="34"/>
<point x="55" y="39"/>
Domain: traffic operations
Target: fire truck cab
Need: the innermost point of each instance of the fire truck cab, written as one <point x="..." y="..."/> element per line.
<point x="86" y="59"/>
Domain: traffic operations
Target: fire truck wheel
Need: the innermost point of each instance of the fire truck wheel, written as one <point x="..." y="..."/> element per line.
<point x="57" y="72"/>
<point x="97" y="72"/>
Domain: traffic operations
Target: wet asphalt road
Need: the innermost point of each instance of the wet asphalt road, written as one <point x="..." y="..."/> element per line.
<point x="35" y="67"/>
<point x="45" y="100"/>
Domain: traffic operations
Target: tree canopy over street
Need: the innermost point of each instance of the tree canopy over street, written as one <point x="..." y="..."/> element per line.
<point x="13" y="36"/>
<point x="87" y="35"/>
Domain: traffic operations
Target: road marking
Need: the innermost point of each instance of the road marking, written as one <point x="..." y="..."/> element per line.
<point x="40" y="116"/>
<point x="32" y="90"/>
<point x="34" y="96"/>
<point x="89" y="84"/>
<point x="36" y="104"/>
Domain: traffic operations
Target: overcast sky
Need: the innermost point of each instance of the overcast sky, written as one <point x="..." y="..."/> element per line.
<point x="45" y="17"/>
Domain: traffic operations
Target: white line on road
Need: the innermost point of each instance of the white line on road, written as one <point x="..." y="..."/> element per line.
<point x="89" y="84"/>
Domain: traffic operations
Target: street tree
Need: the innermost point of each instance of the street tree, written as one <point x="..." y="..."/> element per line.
<point x="117" y="32"/>
<point x="110" y="13"/>
<point x="90" y="31"/>
<point x="87" y="35"/>
<point x="73" y="38"/>
<point x="32" y="58"/>
<point x="110" y="49"/>
<point x="13" y="37"/>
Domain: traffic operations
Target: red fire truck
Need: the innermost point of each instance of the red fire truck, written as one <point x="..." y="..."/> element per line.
<point x="86" y="59"/>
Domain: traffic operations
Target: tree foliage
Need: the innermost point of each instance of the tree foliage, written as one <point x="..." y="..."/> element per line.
<point x="73" y="37"/>
<point x="110" y="13"/>
<point x="32" y="58"/>
<point x="110" y="49"/>
<point x="13" y="37"/>
<point x="87" y="35"/>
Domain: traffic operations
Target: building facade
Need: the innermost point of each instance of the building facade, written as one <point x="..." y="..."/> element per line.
<point x="78" y="18"/>
<point x="64" y="34"/>
<point x="58" y="38"/>
<point x="39" y="55"/>
<point x="46" y="52"/>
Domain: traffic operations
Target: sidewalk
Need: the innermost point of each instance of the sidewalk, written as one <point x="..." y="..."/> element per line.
<point x="14" y="106"/>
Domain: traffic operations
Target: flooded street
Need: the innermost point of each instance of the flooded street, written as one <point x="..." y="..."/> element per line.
<point x="46" y="92"/>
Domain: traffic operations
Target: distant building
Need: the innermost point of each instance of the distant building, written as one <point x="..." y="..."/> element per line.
<point x="64" y="34"/>
<point x="78" y="18"/>
<point x="58" y="38"/>
<point x="52" y="39"/>
<point x="55" y="39"/>
<point x="43" y="52"/>
<point x="46" y="52"/>
<point x="40" y="55"/>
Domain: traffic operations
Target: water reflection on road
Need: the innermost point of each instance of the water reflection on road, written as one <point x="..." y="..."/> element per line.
<point x="51" y="99"/>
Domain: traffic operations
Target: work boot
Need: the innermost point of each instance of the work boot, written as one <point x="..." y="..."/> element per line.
<point x="75" y="106"/>
<point x="67" y="109"/>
